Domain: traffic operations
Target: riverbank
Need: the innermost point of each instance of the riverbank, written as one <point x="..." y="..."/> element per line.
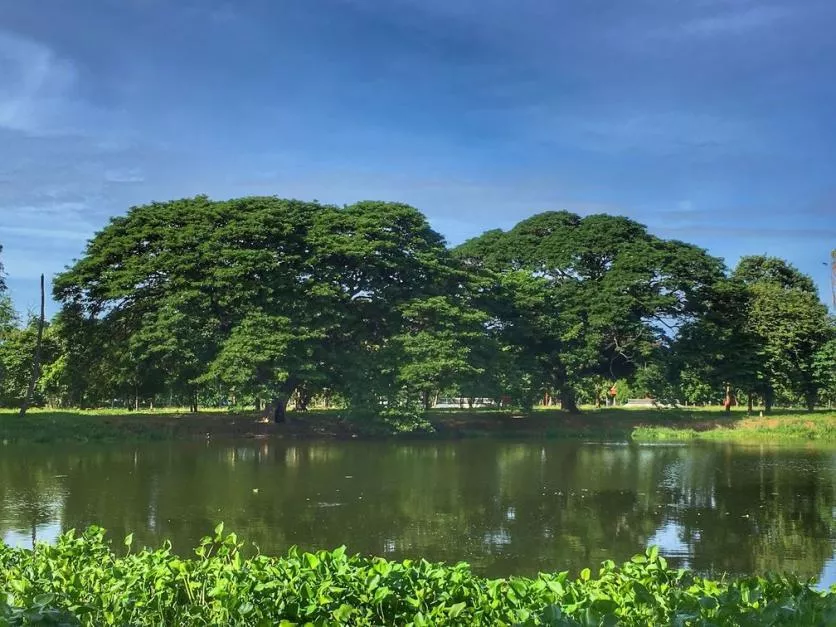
<point x="82" y="580"/>
<point x="818" y="426"/>
<point x="45" y="426"/>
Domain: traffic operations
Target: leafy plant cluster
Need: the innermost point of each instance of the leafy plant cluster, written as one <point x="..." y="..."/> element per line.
<point x="80" y="580"/>
<point x="262" y="301"/>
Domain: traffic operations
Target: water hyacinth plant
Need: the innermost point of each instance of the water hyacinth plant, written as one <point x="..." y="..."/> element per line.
<point x="80" y="580"/>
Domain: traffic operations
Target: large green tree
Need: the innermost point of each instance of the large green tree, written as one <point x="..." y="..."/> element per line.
<point x="261" y="295"/>
<point x="611" y="293"/>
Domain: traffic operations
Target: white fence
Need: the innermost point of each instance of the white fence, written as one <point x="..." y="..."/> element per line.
<point x="463" y="403"/>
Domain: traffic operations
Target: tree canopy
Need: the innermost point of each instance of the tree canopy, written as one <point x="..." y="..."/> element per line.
<point x="260" y="300"/>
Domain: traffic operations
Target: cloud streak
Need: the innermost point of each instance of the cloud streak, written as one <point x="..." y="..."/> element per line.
<point x="46" y="233"/>
<point x="736" y="22"/>
<point x="35" y="85"/>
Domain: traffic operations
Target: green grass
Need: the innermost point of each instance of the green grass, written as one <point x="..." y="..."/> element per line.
<point x="642" y="424"/>
<point x="46" y="426"/>
<point x="780" y="427"/>
<point x="663" y="434"/>
<point x="82" y="581"/>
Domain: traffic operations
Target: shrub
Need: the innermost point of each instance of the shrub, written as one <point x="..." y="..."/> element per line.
<point x="80" y="580"/>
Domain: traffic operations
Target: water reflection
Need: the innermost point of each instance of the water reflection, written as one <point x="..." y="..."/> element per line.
<point x="505" y="507"/>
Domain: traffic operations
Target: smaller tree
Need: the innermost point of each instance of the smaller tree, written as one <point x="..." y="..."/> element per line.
<point x="435" y="348"/>
<point x="16" y="350"/>
<point x="824" y="365"/>
<point x="787" y="324"/>
<point x="266" y="356"/>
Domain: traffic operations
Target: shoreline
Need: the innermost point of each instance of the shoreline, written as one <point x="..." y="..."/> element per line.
<point x="640" y="425"/>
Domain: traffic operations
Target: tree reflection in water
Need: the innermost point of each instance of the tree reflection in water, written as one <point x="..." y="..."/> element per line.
<point x="505" y="507"/>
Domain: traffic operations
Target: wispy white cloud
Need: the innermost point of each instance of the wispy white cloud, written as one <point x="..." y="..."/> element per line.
<point x="741" y="231"/>
<point x="645" y="132"/>
<point x="46" y="233"/>
<point x="35" y="85"/>
<point x="736" y="21"/>
<point x="131" y="175"/>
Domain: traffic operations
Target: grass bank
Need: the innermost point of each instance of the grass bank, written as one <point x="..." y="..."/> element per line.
<point x="780" y="427"/>
<point x="81" y="581"/>
<point x="45" y="426"/>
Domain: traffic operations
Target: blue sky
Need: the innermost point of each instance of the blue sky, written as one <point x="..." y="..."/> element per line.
<point x="711" y="121"/>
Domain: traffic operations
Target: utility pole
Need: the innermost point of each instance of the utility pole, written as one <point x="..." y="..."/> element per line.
<point x="36" y="360"/>
<point x="833" y="275"/>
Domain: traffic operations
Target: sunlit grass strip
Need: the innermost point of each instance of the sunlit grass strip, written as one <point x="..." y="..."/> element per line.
<point x="663" y="434"/>
<point x="81" y="580"/>
<point x="820" y="428"/>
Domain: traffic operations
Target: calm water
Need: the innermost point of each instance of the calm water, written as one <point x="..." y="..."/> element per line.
<point x="505" y="507"/>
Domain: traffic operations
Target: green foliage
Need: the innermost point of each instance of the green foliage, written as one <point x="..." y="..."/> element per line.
<point x="761" y="269"/>
<point x="599" y="294"/>
<point x="789" y="326"/>
<point x="81" y="581"/>
<point x="824" y="370"/>
<point x="764" y="332"/>
<point x="263" y="300"/>
<point x="17" y="348"/>
<point x="438" y="346"/>
<point x="261" y="295"/>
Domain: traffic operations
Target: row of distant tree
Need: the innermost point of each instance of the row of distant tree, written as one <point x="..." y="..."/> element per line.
<point x="261" y="300"/>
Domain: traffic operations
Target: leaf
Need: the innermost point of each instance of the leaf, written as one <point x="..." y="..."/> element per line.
<point x="709" y="603"/>
<point x="245" y="608"/>
<point x="42" y="600"/>
<point x="552" y="614"/>
<point x="456" y="609"/>
<point x="129" y="539"/>
<point x="585" y="574"/>
<point x="343" y="612"/>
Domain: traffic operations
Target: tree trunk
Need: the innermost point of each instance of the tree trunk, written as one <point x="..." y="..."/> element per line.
<point x="277" y="408"/>
<point x="303" y="397"/>
<point x="768" y="400"/>
<point x="810" y="400"/>
<point x="425" y="399"/>
<point x="567" y="399"/>
<point x="749" y="404"/>
<point x="36" y="360"/>
<point x="257" y="403"/>
<point x="278" y="405"/>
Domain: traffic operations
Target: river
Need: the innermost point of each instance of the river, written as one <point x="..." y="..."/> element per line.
<point x="505" y="507"/>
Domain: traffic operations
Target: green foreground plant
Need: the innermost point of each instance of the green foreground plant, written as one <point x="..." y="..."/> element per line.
<point x="80" y="580"/>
